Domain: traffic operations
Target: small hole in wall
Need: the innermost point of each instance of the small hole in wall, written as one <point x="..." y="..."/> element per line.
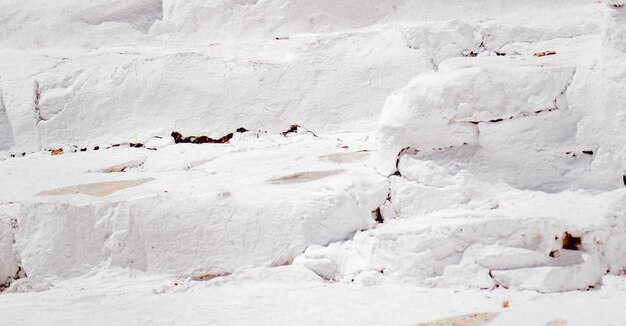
<point x="571" y="242"/>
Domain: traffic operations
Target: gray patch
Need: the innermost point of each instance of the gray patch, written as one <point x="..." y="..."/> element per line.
<point x="344" y="157"/>
<point x="95" y="189"/>
<point x="302" y="177"/>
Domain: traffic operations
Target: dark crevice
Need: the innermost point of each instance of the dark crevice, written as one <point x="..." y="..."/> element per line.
<point x="388" y="201"/>
<point x="405" y="151"/>
<point x="39" y="117"/>
<point x="377" y="214"/>
<point x="294" y="128"/>
<point x="520" y="115"/>
<point x="414" y="151"/>
<point x="20" y="273"/>
<point x="179" y="139"/>
<point x="495" y="281"/>
<point x="378" y="217"/>
<point x="574" y="154"/>
<point x="481" y="48"/>
<point x="570" y="242"/>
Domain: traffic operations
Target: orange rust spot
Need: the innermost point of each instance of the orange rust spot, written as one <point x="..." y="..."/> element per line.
<point x="206" y="277"/>
<point x="58" y="151"/>
<point x="544" y="53"/>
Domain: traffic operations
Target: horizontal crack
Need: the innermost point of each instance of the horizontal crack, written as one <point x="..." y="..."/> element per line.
<point x="512" y="117"/>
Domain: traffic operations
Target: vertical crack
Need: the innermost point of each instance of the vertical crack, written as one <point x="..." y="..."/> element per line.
<point x="379" y="213"/>
<point x="405" y="151"/>
<point x="20" y="273"/>
<point x="37" y="97"/>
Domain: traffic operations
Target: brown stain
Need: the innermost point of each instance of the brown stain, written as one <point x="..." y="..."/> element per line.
<point x="557" y="322"/>
<point x="302" y="177"/>
<point x="475" y="319"/>
<point x="57" y="151"/>
<point x="225" y="194"/>
<point x="344" y="157"/>
<point x="208" y="276"/>
<point x="281" y="263"/>
<point x="98" y="189"/>
<point x="118" y="168"/>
